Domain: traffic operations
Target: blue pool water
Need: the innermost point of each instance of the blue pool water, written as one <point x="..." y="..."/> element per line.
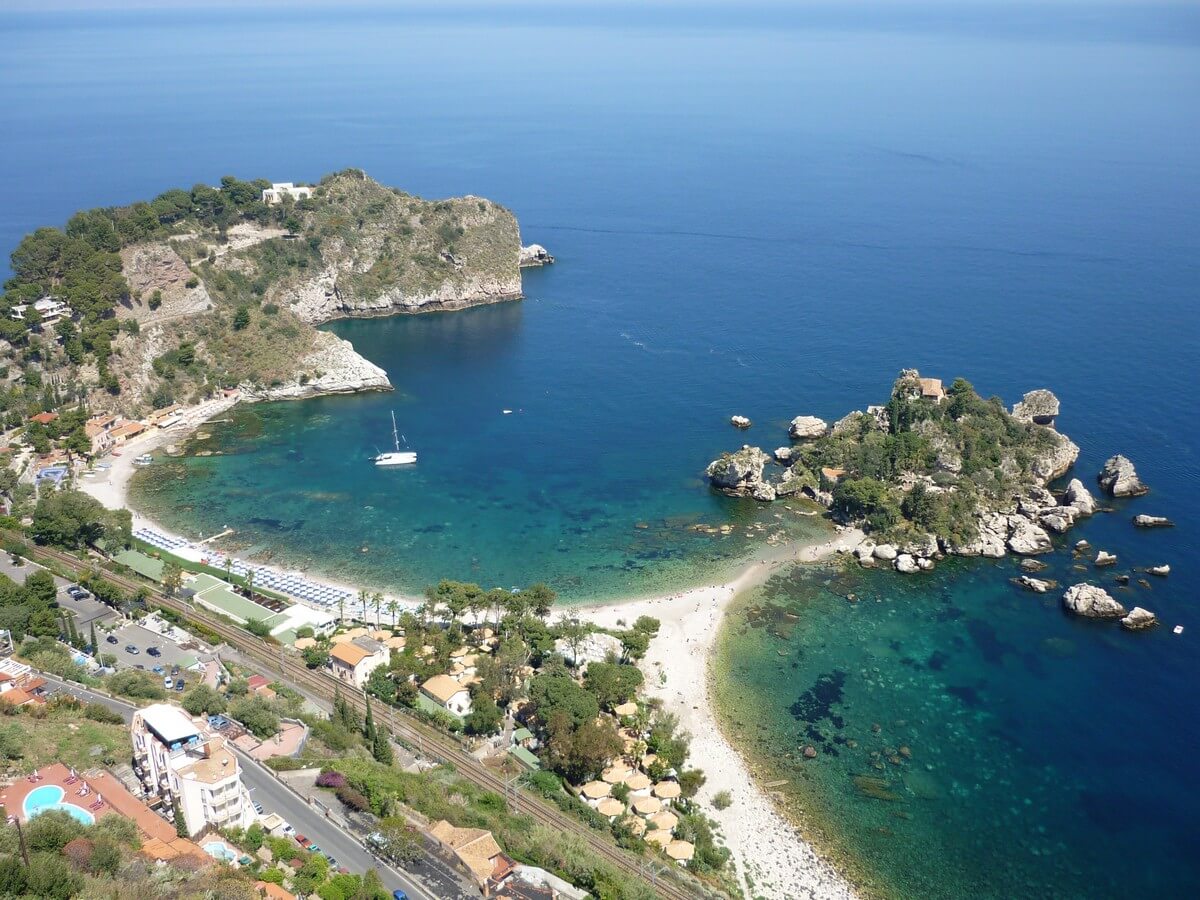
<point x="49" y="796"/>
<point x="760" y="212"/>
<point x="219" y="850"/>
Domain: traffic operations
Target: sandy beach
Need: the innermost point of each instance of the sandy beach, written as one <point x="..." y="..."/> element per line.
<point x="768" y="852"/>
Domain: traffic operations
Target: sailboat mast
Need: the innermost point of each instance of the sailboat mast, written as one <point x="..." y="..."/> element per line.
<point x="395" y="433"/>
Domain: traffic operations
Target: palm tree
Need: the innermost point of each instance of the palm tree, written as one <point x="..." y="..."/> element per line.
<point x="393" y="607"/>
<point x="228" y="567"/>
<point x="341" y="607"/>
<point x="363" y="597"/>
<point x="250" y="582"/>
<point x="377" y="599"/>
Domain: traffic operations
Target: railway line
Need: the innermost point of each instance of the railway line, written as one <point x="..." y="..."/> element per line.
<point x="661" y="879"/>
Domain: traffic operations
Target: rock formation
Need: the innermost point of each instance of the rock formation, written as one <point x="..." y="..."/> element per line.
<point x="332" y="368"/>
<point x="740" y="474"/>
<point x="807" y="427"/>
<point x="1104" y="558"/>
<point x="1120" y="478"/>
<point x="1039" y="407"/>
<point x="1028" y="539"/>
<point x="1079" y="498"/>
<point x="1162" y="571"/>
<point x="533" y="256"/>
<point x="1139" y="619"/>
<point x="1037" y="585"/>
<point x="1092" y="602"/>
<point x="1144" y="521"/>
<point x="740" y="422"/>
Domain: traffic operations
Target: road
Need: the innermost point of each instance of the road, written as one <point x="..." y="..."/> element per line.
<point x="277" y="797"/>
<point x="86" y="611"/>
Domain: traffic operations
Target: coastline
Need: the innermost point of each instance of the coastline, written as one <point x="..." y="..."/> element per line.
<point x="769" y="853"/>
<point x="771" y="856"/>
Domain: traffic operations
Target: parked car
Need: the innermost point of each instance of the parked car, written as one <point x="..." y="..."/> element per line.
<point x="332" y="860"/>
<point x="179" y="684"/>
<point x="158" y="670"/>
<point x="132" y="650"/>
<point x="153" y="651"/>
<point x="258" y="808"/>
<point x="112" y="638"/>
<point x="303" y="841"/>
<point x="398" y="894"/>
<point x="75" y="592"/>
<point x="313" y="848"/>
<point x="288" y="829"/>
<point x="175" y="670"/>
<point x="168" y="683"/>
<point x="140" y="666"/>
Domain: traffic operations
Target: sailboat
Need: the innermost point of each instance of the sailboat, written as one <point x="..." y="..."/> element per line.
<point x="398" y="457"/>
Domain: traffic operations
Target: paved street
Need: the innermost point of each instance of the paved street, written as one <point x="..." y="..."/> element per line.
<point x="277" y="797"/>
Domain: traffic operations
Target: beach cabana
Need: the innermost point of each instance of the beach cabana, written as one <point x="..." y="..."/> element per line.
<point x="660" y="837"/>
<point x="667" y="790"/>
<point x="596" y="790"/>
<point x="664" y="821"/>
<point x="616" y="774"/>
<point x="680" y="851"/>
<point x="647" y="806"/>
<point x="610" y="806"/>
<point x="637" y="782"/>
<point x="634" y="824"/>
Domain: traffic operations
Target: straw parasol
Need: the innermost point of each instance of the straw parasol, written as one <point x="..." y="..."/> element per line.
<point x="380" y="635"/>
<point x="647" y="806"/>
<point x="616" y="774"/>
<point x="594" y="790"/>
<point x="305" y="643"/>
<point x="667" y="790"/>
<point x="660" y="837"/>
<point x="396" y="643"/>
<point x="459" y="653"/>
<point x="665" y="820"/>
<point x="634" y="824"/>
<point x="343" y="638"/>
<point x="610" y="806"/>
<point x="356" y="632"/>
<point x="626" y="709"/>
<point x="649" y="759"/>
<point x="680" y="850"/>
<point x="637" y="782"/>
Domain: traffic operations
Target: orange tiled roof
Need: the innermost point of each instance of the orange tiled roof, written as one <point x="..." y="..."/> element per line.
<point x="350" y="654"/>
<point x="44" y="418"/>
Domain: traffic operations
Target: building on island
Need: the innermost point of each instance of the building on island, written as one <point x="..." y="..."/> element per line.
<point x="354" y="661"/>
<point x="931" y="389"/>
<point x="279" y="191"/>
<point x="183" y="764"/>
<point x="448" y="693"/>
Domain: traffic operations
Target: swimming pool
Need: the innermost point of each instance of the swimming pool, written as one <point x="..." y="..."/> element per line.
<point x="50" y="796"/>
<point x="219" y="850"/>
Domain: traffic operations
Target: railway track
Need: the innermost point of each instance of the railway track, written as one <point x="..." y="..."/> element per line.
<point x="429" y="739"/>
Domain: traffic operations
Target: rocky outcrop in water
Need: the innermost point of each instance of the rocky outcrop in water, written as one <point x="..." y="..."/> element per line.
<point x="1036" y="585"/>
<point x="740" y="474"/>
<point x="533" y="256"/>
<point x="1027" y="539"/>
<point x="1144" y="521"/>
<point x="1104" y="558"/>
<point x="1092" y="602"/>
<point x="1161" y="571"/>
<point x="1139" y="619"/>
<point x="740" y="422"/>
<point x="1120" y="478"/>
<point x="1079" y="498"/>
<point x="1039" y="407"/>
<point x="804" y="428"/>
<point x="332" y="368"/>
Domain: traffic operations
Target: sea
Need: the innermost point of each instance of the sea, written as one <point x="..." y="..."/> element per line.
<point x="764" y="210"/>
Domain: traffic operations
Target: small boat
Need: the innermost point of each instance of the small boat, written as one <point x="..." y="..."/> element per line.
<point x="144" y="460"/>
<point x="397" y="457"/>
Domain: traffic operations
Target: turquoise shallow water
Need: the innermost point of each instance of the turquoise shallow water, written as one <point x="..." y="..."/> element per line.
<point x="766" y="212"/>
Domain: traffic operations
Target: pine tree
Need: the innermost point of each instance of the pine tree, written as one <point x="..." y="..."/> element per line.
<point x="95" y="646"/>
<point x="180" y="823"/>
<point x="381" y="748"/>
<point x="369" y="728"/>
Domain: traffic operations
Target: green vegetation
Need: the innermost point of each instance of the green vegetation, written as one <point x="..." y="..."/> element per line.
<point x="62" y="730"/>
<point x="74" y="520"/>
<point x="951" y="456"/>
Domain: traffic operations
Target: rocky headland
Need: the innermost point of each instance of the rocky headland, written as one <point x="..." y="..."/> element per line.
<point x="217" y="286"/>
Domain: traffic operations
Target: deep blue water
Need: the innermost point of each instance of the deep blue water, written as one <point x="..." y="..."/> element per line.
<point x="767" y="215"/>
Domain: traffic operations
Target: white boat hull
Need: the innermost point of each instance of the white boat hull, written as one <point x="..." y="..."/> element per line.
<point x="401" y="458"/>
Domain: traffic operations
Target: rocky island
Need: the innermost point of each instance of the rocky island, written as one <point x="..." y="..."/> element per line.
<point x="162" y="302"/>
<point x="931" y="472"/>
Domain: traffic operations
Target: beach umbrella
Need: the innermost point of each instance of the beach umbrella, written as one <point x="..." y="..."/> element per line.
<point x="660" y="837"/>
<point x="680" y="851"/>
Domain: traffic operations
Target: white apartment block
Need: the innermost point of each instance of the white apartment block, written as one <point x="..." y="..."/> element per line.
<point x="181" y="762"/>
